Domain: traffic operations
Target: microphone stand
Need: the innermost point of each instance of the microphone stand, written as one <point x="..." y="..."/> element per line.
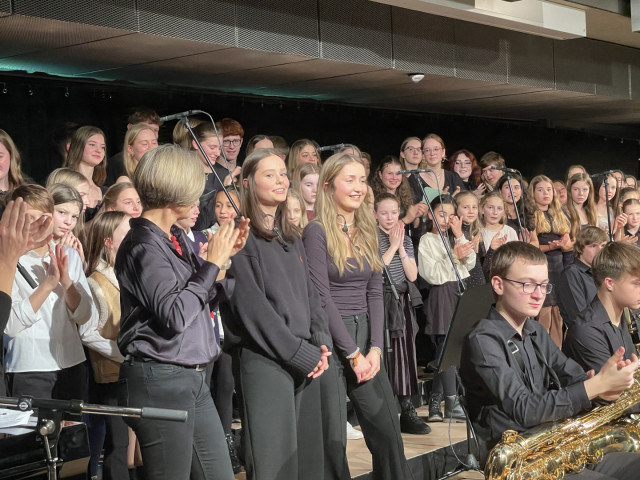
<point x="445" y="242"/>
<point x="515" y="205"/>
<point x="185" y="120"/>
<point x="606" y="193"/>
<point x="50" y="417"/>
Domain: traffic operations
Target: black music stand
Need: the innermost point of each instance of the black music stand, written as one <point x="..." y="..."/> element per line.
<point x="473" y="305"/>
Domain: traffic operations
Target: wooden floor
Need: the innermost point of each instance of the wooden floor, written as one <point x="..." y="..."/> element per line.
<point x="442" y="434"/>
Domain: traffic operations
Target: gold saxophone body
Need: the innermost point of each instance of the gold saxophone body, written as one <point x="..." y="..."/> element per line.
<point x="570" y="446"/>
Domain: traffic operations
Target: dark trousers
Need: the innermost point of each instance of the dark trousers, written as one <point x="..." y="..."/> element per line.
<point x="195" y="449"/>
<point x="222" y="390"/>
<point x="375" y="407"/>
<point x="116" y="433"/>
<point x="282" y="428"/>
<point x="65" y="384"/>
<point x="614" y="466"/>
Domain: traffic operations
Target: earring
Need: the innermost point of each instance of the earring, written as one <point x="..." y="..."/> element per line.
<point x="444" y="159"/>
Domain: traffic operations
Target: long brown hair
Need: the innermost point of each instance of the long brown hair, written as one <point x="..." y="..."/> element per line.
<point x="15" y="173"/>
<point x="101" y="229"/>
<point x="589" y="204"/>
<point x="403" y="192"/>
<point x="251" y="205"/>
<point x="365" y="234"/>
<point x="76" y="150"/>
<point x="476" y="171"/>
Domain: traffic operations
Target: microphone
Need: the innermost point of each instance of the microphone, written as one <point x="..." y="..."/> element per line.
<point x="420" y="170"/>
<point x="334" y="147"/>
<point x="504" y="169"/>
<point x="603" y="174"/>
<point x="177" y="116"/>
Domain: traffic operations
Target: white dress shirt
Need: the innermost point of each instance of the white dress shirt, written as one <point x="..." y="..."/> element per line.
<point x="46" y="340"/>
<point x="434" y="264"/>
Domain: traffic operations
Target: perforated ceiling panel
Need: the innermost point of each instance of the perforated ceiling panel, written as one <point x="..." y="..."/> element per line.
<point x="211" y="21"/>
<point x="5" y="7"/>
<point x="530" y="60"/>
<point x="481" y="52"/>
<point x="105" y="13"/>
<point x="284" y="26"/>
<point x="423" y="43"/>
<point x="574" y="70"/>
<point x="357" y="31"/>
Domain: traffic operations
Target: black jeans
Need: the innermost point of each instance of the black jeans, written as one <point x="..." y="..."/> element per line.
<point x="282" y="426"/>
<point x="222" y="390"/>
<point x="195" y="449"/>
<point x="375" y="406"/>
<point x="65" y="384"/>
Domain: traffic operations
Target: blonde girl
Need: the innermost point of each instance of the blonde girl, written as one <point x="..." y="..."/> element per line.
<point x="553" y="228"/>
<point x="295" y="210"/>
<point x="580" y="203"/>
<point x="495" y="231"/>
<point x="304" y="179"/>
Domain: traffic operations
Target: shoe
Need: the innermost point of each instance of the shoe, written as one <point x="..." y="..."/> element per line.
<point x="453" y="409"/>
<point x="233" y="454"/>
<point x="435" y="409"/>
<point x="352" y="433"/>
<point x="410" y="422"/>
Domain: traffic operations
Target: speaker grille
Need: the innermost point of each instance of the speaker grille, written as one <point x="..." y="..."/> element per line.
<point x="357" y="31"/>
<point x="211" y="21"/>
<point x="423" y="43"/>
<point x="5" y="7"/>
<point x="530" y="60"/>
<point x="285" y="26"/>
<point x="481" y="53"/>
<point x="104" y="13"/>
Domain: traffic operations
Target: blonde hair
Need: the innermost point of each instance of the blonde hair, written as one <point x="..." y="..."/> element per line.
<point x="364" y="228"/>
<point x="495" y="194"/>
<point x="589" y="204"/>
<point x="130" y="163"/>
<point x="292" y="193"/>
<point x="474" y="228"/>
<point x="67" y="176"/>
<point x="296" y="148"/>
<point x="559" y="222"/>
<point x="181" y="135"/>
<point x="168" y="176"/>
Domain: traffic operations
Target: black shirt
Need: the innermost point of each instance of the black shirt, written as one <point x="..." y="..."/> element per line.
<point x="575" y="291"/>
<point x="593" y="339"/>
<point x="276" y="308"/>
<point x="5" y="311"/>
<point x="165" y="298"/>
<point x="501" y="396"/>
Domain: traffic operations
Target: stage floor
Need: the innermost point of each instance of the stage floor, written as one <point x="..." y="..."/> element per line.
<point x="417" y="447"/>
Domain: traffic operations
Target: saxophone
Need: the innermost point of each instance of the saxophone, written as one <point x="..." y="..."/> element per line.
<point x="569" y="446"/>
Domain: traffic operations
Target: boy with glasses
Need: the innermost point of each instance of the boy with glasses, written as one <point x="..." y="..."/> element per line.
<point x="516" y="377"/>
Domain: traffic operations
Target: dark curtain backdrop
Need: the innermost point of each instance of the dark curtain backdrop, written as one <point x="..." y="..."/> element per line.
<point x="33" y="111"/>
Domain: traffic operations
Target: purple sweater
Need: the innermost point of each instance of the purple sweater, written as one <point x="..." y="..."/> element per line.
<point x="353" y="292"/>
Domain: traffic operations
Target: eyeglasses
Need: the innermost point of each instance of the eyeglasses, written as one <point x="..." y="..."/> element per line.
<point x="428" y="151"/>
<point x="530" y="287"/>
<point x="414" y="149"/>
<point x="235" y="142"/>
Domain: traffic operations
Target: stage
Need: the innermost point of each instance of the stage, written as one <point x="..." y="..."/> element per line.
<point x="429" y="456"/>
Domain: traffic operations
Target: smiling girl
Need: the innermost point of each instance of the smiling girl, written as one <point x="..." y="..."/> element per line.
<point x="494" y="230"/>
<point x="342" y="247"/>
<point x="87" y="155"/>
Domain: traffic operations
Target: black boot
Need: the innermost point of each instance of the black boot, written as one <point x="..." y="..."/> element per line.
<point x="233" y="454"/>
<point x="410" y="422"/>
<point x="435" y="410"/>
<point x="453" y="409"/>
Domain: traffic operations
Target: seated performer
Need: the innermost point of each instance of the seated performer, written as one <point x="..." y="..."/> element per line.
<point x="601" y="329"/>
<point x="515" y="376"/>
<point x="576" y="288"/>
